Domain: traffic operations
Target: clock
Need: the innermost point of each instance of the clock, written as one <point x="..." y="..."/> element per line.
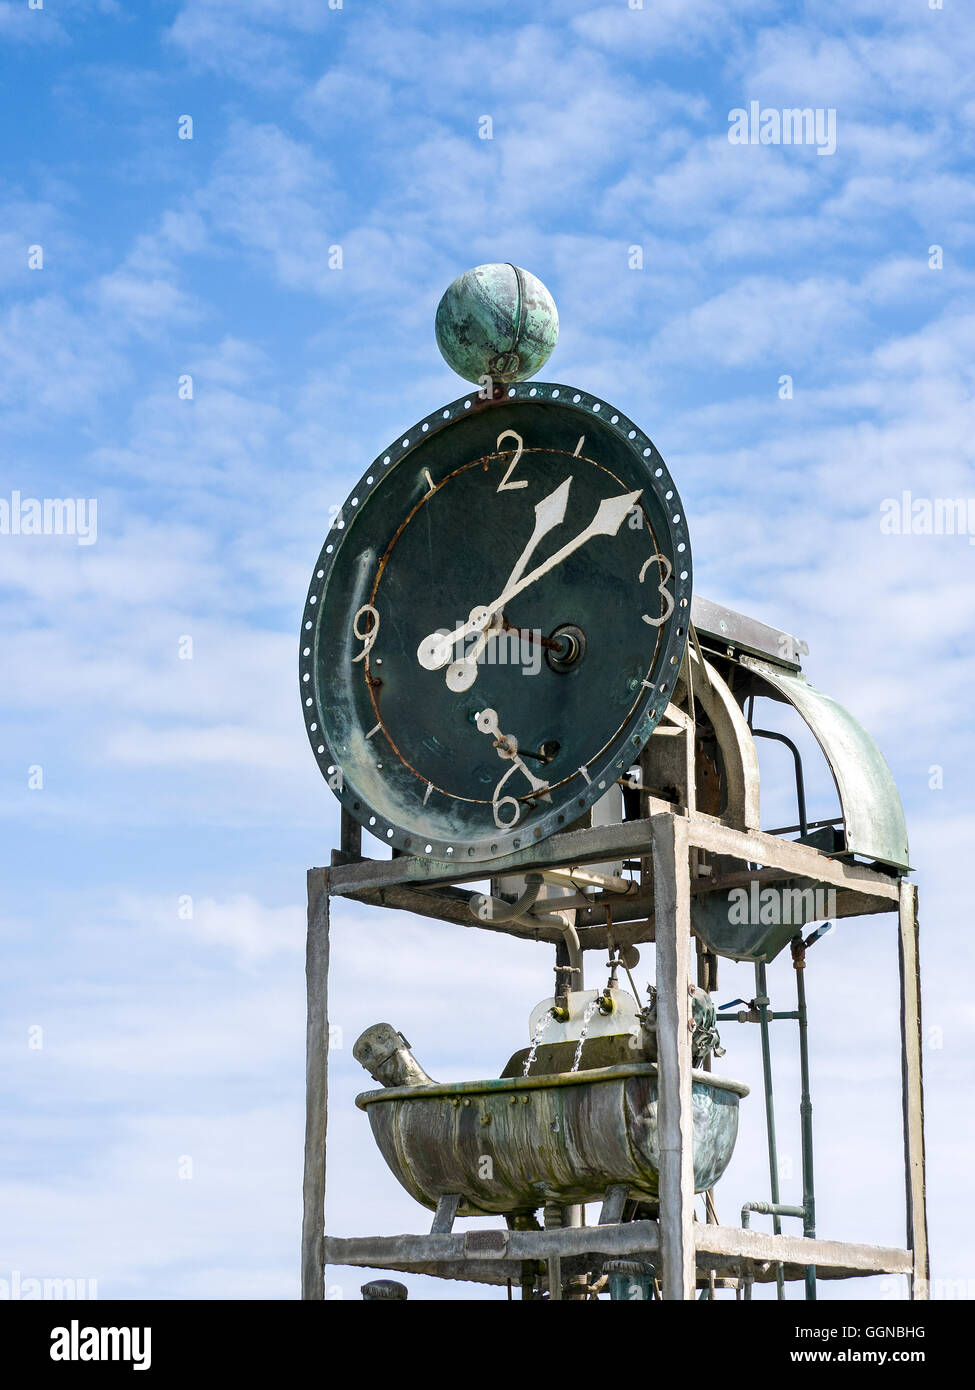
<point x="495" y="622"/>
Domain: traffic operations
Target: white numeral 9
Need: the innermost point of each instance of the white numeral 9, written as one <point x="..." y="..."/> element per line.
<point x="368" y="635"/>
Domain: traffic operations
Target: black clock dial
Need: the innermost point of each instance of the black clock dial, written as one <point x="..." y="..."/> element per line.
<point x="496" y="622"/>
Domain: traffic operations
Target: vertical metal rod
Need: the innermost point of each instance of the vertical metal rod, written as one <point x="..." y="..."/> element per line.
<point x="707" y="969"/>
<point x="552" y="1220"/>
<point x="762" y="1000"/>
<point x="805" y="1110"/>
<point x="316" y="1089"/>
<point x="800" y="784"/>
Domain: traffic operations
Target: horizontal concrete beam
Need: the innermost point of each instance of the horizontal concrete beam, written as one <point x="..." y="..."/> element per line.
<point x="493" y="1256"/>
<point x="614" y="842"/>
<point x="832" y="1258"/>
<point x="772" y="852"/>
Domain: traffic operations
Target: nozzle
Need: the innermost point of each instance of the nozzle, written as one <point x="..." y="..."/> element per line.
<point x="386" y="1055"/>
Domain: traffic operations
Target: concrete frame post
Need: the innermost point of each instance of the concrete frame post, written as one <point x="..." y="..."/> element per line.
<point x="912" y="1089"/>
<point x="672" y="913"/>
<point x="316" y="1088"/>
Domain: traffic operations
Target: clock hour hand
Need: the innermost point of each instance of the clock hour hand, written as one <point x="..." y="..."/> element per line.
<point x="437" y="650"/>
<point x="462" y="673"/>
<point x="610" y="515"/>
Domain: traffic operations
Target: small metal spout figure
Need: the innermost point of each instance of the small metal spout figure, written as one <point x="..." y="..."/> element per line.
<point x="386" y="1055"/>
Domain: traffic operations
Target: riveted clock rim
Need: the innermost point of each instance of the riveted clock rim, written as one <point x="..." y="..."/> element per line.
<point x="643" y="721"/>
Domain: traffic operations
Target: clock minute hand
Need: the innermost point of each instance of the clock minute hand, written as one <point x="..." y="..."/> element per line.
<point x="549" y="513"/>
<point x="610" y="515"/>
<point x="436" y="651"/>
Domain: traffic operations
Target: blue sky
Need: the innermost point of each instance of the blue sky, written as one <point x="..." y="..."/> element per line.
<point x="168" y="1038"/>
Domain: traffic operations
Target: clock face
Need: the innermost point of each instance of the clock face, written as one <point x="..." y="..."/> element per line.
<point x="495" y="622"/>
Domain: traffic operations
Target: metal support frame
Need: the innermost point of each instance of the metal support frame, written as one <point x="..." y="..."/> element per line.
<point x="805" y="1110"/>
<point x="762" y="1000"/>
<point x="683" y="1250"/>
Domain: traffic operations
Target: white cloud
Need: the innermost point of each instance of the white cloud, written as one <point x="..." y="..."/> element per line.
<point x="250" y="41"/>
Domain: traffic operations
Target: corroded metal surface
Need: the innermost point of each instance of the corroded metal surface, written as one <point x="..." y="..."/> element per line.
<point x="387" y="1058"/>
<point x="387" y="731"/>
<point x="756" y="920"/>
<point x="739" y="758"/>
<point x="872" y="812"/>
<point x="512" y="1145"/>
<point x="731" y="629"/>
<point x="608" y="1050"/>
<point x="497" y="320"/>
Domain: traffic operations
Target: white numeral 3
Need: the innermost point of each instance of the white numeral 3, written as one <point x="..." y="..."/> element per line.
<point x="661" y="589"/>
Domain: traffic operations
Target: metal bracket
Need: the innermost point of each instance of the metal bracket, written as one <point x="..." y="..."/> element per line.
<point x="446" y="1214"/>
<point x="615" y="1200"/>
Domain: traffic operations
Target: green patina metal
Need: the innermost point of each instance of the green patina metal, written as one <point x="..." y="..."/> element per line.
<point x="874" y="824"/>
<point x="511" y="1145"/>
<point x="630" y="1280"/>
<point x="429" y="531"/>
<point x="497" y="321"/>
<point x="757" y="921"/>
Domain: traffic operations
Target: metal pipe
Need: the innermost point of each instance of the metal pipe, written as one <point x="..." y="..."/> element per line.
<point x="572" y="951"/>
<point x="769" y="1209"/>
<point x="800" y="785"/>
<point x="752" y="1016"/>
<point x="495" y="910"/>
<point x="833" y="821"/>
<point x="484" y="908"/>
<point x="773" y="1209"/>
<point x="761" y="999"/>
<point x="576" y="877"/>
<point x="805" y="1110"/>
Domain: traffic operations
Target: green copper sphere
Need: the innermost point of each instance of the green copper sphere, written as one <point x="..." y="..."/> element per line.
<point x="498" y="321"/>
